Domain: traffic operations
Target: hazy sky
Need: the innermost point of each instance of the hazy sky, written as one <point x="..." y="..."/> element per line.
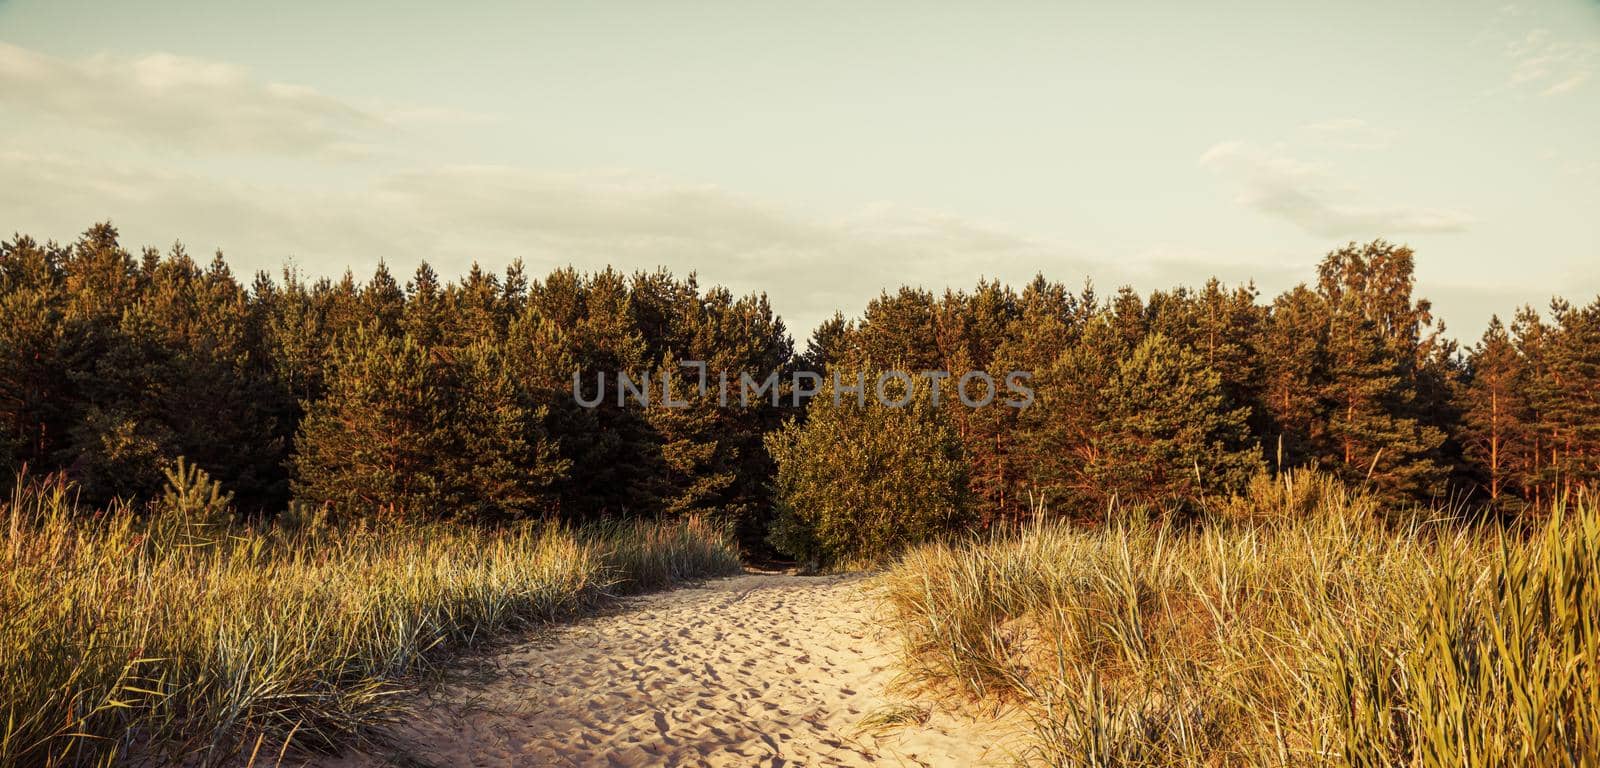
<point x="823" y="151"/>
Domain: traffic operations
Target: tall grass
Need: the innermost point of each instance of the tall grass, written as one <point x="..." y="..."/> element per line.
<point x="179" y="636"/>
<point x="1300" y="625"/>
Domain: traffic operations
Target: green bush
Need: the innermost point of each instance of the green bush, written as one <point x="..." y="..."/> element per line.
<point x="865" y="481"/>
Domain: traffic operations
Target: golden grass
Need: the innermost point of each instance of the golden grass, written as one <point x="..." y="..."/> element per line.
<point x="1295" y="627"/>
<point x="177" y="636"/>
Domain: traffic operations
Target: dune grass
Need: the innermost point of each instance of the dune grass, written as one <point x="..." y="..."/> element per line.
<point x="174" y="635"/>
<point x="1299" y="625"/>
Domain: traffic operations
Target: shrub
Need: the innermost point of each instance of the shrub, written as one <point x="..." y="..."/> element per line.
<point x="865" y="481"/>
<point x="193" y="510"/>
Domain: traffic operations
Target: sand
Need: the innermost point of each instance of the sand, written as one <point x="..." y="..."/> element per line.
<point x="754" y="670"/>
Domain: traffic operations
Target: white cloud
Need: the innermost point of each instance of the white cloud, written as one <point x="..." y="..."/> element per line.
<point x="1310" y="196"/>
<point x="181" y="102"/>
<point x="1570" y="83"/>
<point x="1546" y="63"/>
<point x="451" y="216"/>
<point x="810" y="265"/>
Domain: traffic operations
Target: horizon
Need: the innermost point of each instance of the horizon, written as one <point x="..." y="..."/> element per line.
<point x="821" y="155"/>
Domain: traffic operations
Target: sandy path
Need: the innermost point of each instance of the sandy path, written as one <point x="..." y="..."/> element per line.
<point x="765" y="670"/>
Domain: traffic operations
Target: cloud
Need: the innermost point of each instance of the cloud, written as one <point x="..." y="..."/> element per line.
<point x="1309" y="196"/>
<point x="185" y="103"/>
<point x="810" y="265"/>
<point x="1545" y="63"/>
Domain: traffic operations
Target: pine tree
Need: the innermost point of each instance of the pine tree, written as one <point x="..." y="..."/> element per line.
<point x="101" y="279"/>
<point x="1367" y="396"/>
<point x="504" y="464"/>
<point x="576" y="325"/>
<point x="1294" y="368"/>
<point x="1224" y="327"/>
<point x="1049" y="320"/>
<point x="1496" y="410"/>
<point x="339" y="305"/>
<point x="712" y="458"/>
<point x="190" y="358"/>
<point x="475" y="310"/>
<point x="827" y="345"/>
<point x="296" y="338"/>
<point x="972" y="327"/>
<point x="149" y="361"/>
<point x="375" y="441"/>
<point x="697" y="456"/>
<point x="1533" y="461"/>
<point x="1060" y="429"/>
<point x="426" y="315"/>
<point x="1128" y="318"/>
<point x="513" y="292"/>
<point x="899" y="331"/>
<point x="1387" y="377"/>
<point x="1169" y="436"/>
<point x="1573" y="411"/>
<point x="34" y="388"/>
<point x="657" y="305"/>
<point x="383" y="303"/>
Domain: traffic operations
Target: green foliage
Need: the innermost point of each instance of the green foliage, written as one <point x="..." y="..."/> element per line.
<point x="112" y="368"/>
<point x="121" y="454"/>
<point x="504" y="462"/>
<point x="113" y="364"/>
<point x="1168" y="437"/>
<point x="1352" y="375"/>
<point x="1369" y="433"/>
<point x="863" y="482"/>
<point x="1381" y="390"/>
<point x="193" y="510"/>
<point x="1294" y="347"/>
<point x="1570" y="397"/>
<point x="1497" y="414"/>
<point x="439" y="398"/>
<point x="379" y="437"/>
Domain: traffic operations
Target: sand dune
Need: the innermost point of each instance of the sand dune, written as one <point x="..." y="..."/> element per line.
<point x="768" y="670"/>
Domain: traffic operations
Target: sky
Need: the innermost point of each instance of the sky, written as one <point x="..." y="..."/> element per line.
<point x="823" y="151"/>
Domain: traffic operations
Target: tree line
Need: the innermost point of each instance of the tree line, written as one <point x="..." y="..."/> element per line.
<point x="443" y="397"/>
<point x="428" y="398"/>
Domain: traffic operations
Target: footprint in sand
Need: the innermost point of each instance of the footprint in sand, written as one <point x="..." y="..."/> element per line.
<point x="765" y="669"/>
